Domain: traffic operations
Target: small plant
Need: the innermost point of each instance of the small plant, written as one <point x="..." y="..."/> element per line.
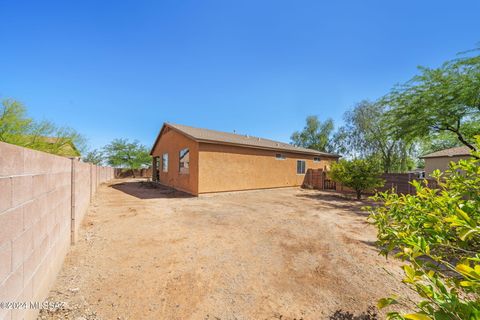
<point x="437" y="232"/>
<point x="360" y="175"/>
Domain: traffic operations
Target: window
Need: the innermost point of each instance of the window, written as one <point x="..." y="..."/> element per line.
<point x="300" y="166"/>
<point x="280" y="156"/>
<point x="184" y="161"/>
<point x="316" y="159"/>
<point x="165" y="162"/>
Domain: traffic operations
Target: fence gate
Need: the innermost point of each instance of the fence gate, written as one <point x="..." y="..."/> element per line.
<point x="328" y="184"/>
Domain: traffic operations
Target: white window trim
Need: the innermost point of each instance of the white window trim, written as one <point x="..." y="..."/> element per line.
<point x="282" y="156"/>
<point x="305" y="167"/>
<point x="165" y="169"/>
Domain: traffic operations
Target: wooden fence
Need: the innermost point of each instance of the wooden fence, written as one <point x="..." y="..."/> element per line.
<point x="399" y="182"/>
<point x="137" y="173"/>
<point x="318" y="179"/>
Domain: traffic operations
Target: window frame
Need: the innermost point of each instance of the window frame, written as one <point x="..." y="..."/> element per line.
<point x="304" y="167"/>
<point x="186" y="169"/>
<point x="165" y="163"/>
<point x="316" y="159"/>
<point x="280" y="156"/>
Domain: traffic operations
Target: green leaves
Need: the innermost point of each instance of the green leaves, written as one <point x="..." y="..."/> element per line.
<point x="366" y="134"/>
<point x="468" y="272"/>
<point x="360" y="175"/>
<point x="16" y="128"/>
<point x="385" y="302"/>
<point x="315" y="135"/>
<point x="122" y="153"/>
<point x="13" y="121"/>
<point x="95" y="156"/>
<point x="440" y="100"/>
<point x="417" y="316"/>
<point x="437" y="233"/>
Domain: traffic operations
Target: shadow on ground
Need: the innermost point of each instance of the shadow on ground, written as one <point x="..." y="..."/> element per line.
<point x="370" y="314"/>
<point x="339" y="202"/>
<point x="148" y="190"/>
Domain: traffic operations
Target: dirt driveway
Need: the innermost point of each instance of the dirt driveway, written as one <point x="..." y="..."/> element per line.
<point x="270" y="254"/>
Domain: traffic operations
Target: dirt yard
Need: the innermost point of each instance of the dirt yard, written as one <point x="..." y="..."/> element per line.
<point x="148" y="253"/>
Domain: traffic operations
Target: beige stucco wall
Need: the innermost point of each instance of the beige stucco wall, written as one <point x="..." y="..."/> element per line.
<point x="172" y="142"/>
<point x="440" y="163"/>
<point x="229" y="168"/>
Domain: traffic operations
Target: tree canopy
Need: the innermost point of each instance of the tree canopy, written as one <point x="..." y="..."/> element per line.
<point x="367" y="135"/>
<point x="437" y="109"/>
<point x="315" y="135"/>
<point x="16" y="128"/>
<point x="122" y="153"/>
<point x="94" y="156"/>
<point x="444" y="99"/>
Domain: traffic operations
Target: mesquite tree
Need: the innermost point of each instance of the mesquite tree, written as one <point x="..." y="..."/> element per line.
<point x="444" y="99"/>
<point x="122" y="153"/>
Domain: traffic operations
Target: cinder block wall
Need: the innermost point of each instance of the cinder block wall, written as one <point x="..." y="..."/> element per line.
<point x="38" y="220"/>
<point x="80" y="198"/>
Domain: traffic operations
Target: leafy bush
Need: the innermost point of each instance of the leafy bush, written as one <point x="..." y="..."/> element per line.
<point x="437" y="232"/>
<point x="359" y="174"/>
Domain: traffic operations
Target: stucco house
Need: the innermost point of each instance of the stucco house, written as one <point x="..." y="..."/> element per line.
<point x="441" y="159"/>
<point x="199" y="161"/>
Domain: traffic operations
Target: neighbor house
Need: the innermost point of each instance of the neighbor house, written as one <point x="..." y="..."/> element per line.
<point x="60" y="146"/>
<point x="201" y="161"/>
<point x="441" y="159"/>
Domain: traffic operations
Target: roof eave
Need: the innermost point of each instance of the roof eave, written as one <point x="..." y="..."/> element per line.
<point x="446" y="156"/>
<point x="166" y="124"/>
<point x="313" y="152"/>
<point x="156" y="140"/>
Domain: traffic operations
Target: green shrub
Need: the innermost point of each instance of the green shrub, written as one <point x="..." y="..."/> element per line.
<point x="437" y="233"/>
<point x="359" y="174"/>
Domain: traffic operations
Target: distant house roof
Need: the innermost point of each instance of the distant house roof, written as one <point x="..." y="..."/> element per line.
<point x="452" y="152"/>
<point x="60" y="146"/>
<point x="218" y="137"/>
<point x="64" y="147"/>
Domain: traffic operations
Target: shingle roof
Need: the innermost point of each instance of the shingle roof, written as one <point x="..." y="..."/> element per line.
<point x="452" y="152"/>
<point x="219" y="137"/>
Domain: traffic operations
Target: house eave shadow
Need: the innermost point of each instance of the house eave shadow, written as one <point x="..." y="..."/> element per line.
<point x="148" y="190"/>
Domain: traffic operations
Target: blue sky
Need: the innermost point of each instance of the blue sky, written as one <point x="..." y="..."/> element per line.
<point x="121" y="68"/>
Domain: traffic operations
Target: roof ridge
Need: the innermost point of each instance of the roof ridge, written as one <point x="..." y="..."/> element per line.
<point x="241" y="139"/>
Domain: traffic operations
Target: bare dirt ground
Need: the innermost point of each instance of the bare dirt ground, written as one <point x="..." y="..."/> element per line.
<point x="148" y="253"/>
